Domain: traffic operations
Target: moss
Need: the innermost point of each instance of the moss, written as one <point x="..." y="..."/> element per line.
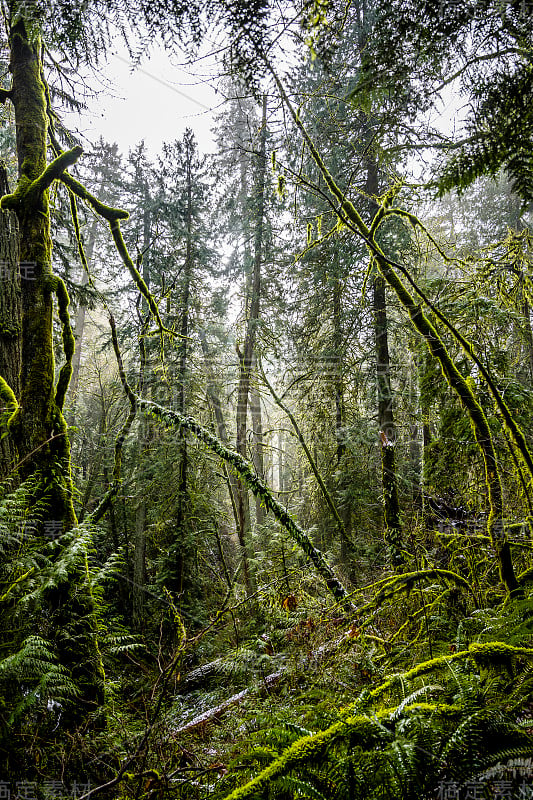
<point x="350" y="216"/>
<point x="107" y="212"/>
<point x="15" y="200"/>
<point x="246" y="473"/>
<point x="8" y="396"/>
<point x="69" y="342"/>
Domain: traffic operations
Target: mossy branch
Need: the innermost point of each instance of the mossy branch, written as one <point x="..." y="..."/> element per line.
<point x="405" y="580"/>
<point x="350" y="217"/>
<point x="247" y="474"/>
<point x="107" y="212"/>
<point x="31" y="191"/>
<point x="54" y="170"/>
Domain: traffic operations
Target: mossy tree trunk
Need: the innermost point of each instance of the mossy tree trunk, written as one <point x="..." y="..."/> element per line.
<point x="10" y="321"/>
<point x="38" y="427"/>
<point x="36" y="421"/>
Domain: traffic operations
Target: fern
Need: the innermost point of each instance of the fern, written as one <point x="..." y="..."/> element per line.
<point x="34" y="677"/>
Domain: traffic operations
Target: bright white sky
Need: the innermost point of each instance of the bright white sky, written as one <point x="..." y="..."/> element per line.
<point x="154" y="102"/>
<point x="159" y="99"/>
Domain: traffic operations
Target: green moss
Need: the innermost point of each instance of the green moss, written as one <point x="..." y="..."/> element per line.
<point x="8" y="396"/>
<point x="69" y="342"/>
<point x="246" y="473"/>
<point x="107" y="212"/>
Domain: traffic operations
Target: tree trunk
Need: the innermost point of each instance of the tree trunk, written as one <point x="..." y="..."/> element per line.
<point x="38" y="425"/>
<point x="10" y="320"/>
<point x="257" y="451"/>
<point x="246" y="357"/>
<point x="387" y="430"/>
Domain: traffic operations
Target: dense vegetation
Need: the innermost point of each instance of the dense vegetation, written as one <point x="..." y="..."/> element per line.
<point x="266" y="499"/>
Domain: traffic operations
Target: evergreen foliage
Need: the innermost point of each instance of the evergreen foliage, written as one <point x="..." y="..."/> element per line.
<point x="160" y="636"/>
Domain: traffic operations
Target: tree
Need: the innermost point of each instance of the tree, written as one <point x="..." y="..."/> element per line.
<point x="419" y="47"/>
<point x="36" y="425"/>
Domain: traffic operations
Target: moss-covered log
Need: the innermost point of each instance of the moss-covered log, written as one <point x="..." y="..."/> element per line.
<point x="245" y="472"/>
<point x="257" y="486"/>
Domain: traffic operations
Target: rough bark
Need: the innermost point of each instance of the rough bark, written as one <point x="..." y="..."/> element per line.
<point x="10" y="321"/>
<point x="38" y="426"/>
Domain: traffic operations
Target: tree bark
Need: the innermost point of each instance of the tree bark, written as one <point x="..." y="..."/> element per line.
<point x="10" y="321"/>
<point x="387" y="429"/>
<point x="38" y="425"/>
<point x="246" y="357"/>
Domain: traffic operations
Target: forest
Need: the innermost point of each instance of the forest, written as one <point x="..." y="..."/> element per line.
<point x="266" y="442"/>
